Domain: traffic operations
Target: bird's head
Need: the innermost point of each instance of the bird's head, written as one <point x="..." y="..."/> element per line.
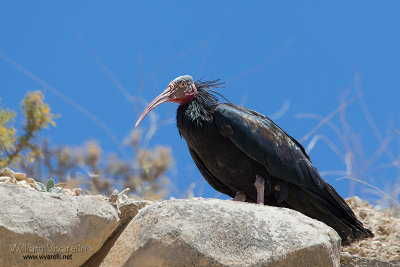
<point x="181" y="90"/>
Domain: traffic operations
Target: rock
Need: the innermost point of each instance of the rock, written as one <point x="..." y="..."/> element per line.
<point x="128" y="208"/>
<point x="4" y="179"/>
<point x="33" y="224"/>
<point x="6" y="172"/>
<point x="68" y="192"/>
<point x="210" y="232"/>
<point x="19" y="176"/>
<point x="77" y="191"/>
<point x="116" y="198"/>
<point x="8" y="180"/>
<point x="24" y="184"/>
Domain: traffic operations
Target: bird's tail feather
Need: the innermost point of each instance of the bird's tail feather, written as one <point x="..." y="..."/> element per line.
<point x="326" y="205"/>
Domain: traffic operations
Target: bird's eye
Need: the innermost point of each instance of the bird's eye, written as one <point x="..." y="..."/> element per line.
<point x="183" y="83"/>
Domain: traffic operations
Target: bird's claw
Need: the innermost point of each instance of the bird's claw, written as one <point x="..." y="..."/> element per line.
<point x="240" y="196"/>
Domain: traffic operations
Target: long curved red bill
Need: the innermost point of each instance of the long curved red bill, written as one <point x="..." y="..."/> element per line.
<point x="163" y="97"/>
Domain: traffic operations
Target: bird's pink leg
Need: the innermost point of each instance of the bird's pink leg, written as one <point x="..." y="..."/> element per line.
<point x="240" y="196"/>
<point x="259" y="185"/>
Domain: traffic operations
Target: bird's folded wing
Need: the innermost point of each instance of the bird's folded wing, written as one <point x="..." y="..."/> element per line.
<point x="262" y="140"/>
<point x="210" y="178"/>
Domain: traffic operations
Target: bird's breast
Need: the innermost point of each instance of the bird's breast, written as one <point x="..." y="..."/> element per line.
<point x="221" y="157"/>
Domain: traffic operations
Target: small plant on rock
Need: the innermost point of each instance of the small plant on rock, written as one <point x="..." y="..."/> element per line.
<point x="49" y="187"/>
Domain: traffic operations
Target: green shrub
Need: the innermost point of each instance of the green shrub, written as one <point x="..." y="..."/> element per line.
<point x="14" y="146"/>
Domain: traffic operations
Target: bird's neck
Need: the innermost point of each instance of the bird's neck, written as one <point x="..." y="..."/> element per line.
<point x="197" y="111"/>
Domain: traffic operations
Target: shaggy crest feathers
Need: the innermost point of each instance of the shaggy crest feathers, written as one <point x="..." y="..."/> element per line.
<point x="208" y="85"/>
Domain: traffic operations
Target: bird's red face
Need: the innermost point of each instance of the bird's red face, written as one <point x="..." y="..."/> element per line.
<point x="181" y="90"/>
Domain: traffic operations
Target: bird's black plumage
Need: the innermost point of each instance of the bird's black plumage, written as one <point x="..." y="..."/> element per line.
<point x="231" y="145"/>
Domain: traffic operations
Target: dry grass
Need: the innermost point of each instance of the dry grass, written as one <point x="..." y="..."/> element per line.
<point x="372" y="162"/>
<point x="385" y="246"/>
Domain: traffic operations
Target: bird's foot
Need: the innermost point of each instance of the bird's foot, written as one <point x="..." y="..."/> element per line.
<point x="240" y="196"/>
<point x="259" y="185"/>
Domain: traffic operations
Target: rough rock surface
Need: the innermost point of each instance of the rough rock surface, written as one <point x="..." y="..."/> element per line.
<point x="210" y="232"/>
<point x="34" y="223"/>
<point x="128" y="208"/>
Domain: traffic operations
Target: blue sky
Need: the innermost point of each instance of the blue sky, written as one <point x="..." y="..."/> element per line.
<point x="304" y="54"/>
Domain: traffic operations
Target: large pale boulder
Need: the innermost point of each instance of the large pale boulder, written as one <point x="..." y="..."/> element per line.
<point x="128" y="208"/>
<point x="69" y="229"/>
<point x="210" y="232"/>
